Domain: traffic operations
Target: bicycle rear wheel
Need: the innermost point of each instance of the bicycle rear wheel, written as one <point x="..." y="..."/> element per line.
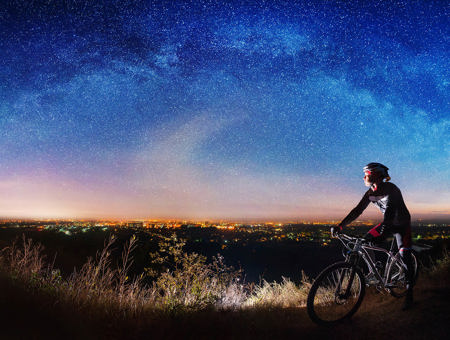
<point x="336" y="294"/>
<point x="397" y="276"/>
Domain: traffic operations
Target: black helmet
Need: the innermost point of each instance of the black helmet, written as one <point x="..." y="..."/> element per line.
<point x="377" y="168"/>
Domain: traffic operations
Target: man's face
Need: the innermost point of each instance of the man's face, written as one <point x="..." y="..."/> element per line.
<point x="366" y="179"/>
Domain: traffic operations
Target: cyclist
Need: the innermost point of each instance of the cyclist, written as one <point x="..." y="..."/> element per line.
<point x="397" y="220"/>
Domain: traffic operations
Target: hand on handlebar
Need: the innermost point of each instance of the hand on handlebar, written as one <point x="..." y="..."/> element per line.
<point x="335" y="231"/>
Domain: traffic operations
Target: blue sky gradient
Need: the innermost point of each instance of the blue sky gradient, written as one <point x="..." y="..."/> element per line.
<point x="235" y="110"/>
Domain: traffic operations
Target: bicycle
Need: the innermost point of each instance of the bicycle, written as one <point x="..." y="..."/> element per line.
<point x="339" y="289"/>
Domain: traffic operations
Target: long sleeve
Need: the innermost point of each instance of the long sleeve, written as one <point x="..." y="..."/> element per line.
<point x="393" y="200"/>
<point x="358" y="210"/>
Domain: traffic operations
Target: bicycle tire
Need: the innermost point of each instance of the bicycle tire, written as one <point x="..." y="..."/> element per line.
<point x="416" y="265"/>
<point x="397" y="277"/>
<point x="326" y="307"/>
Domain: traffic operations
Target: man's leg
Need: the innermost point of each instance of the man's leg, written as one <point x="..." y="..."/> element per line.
<point x="404" y="246"/>
<point x="374" y="235"/>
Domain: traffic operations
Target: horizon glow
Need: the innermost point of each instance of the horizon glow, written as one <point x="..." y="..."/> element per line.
<point x="226" y="110"/>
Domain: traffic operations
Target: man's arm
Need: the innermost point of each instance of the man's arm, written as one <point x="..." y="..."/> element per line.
<point x="358" y="210"/>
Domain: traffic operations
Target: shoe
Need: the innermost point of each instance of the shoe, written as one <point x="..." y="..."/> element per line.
<point x="371" y="279"/>
<point x="409" y="301"/>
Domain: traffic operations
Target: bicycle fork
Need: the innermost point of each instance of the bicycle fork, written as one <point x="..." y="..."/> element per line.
<point x="349" y="283"/>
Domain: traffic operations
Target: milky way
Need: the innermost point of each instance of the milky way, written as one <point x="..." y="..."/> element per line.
<point x="209" y="109"/>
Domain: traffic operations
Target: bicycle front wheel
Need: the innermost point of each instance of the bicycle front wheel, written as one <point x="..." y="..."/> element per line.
<point x="336" y="294"/>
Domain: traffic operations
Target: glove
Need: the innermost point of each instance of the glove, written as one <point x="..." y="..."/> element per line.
<point x="336" y="230"/>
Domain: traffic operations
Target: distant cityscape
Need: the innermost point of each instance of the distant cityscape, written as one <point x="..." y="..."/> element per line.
<point x="223" y="232"/>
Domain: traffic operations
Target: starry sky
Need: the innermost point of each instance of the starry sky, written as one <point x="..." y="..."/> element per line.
<point x="221" y="109"/>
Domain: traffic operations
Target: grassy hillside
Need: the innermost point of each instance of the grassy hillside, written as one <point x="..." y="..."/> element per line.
<point x="33" y="310"/>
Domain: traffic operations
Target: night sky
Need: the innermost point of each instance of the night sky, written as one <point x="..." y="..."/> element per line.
<point x="211" y="109"/>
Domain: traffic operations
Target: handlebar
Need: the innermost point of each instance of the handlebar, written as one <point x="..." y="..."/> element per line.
<point x="350" y="241"/>
<point x="342" y="236"/>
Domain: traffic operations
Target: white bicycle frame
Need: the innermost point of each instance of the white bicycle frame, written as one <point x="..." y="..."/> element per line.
<point x="356" y="245"/>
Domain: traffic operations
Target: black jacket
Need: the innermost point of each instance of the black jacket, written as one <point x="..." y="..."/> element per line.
<point x="389" y="199"/>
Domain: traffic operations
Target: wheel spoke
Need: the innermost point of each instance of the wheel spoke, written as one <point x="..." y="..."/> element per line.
<point x="335" y="295"/>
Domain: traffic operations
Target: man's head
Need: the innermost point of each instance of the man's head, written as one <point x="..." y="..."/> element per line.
<point x="375" y="173"/>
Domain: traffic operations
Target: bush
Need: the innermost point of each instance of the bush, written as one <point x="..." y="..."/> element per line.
<point x="25" y="261"/>
<point x="188" y="281"/>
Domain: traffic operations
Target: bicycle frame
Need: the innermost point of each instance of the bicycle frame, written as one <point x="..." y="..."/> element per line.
<point x="357" y="246"/>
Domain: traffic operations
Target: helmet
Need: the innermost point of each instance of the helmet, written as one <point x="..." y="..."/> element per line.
<point x="377" y="168"/>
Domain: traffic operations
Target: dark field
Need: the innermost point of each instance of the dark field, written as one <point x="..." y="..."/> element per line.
<point x="269" y="260"/>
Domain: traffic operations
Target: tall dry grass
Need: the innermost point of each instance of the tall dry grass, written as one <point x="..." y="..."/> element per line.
<point x="25" y="261"/>
<point x="181" y="281"/>
<point x="285" y="294"/>
<point x="97" y="284"/>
